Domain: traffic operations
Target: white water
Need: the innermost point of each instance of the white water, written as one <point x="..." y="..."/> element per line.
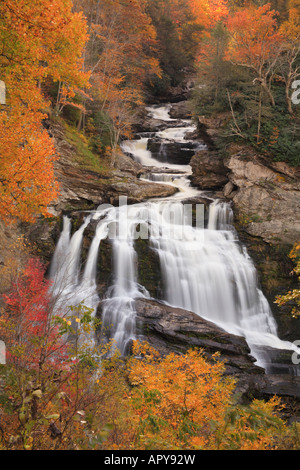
<point x="205" y="270"/>
<point x="160" y="112"/>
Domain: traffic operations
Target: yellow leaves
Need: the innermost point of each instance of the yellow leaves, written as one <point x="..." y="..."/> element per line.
<point x="176" y="392"/>
<point x="293" y="296"/>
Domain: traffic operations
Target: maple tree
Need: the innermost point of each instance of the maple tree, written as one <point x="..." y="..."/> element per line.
<point x="39" y="40"/>
<point x="255" y="43"/>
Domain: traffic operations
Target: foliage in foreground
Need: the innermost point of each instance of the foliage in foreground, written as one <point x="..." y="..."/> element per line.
<point x="59" y="391"/>
<point x="292" y="297"/>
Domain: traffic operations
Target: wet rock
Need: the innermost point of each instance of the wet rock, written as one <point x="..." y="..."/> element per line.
<point x="169" y="329"/>
<point x="174" y="329"/>
<point x="172" y="152"/>
<point x="148" y="124"/>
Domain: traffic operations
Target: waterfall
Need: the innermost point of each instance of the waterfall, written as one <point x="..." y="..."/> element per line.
<point x="64" y="269"/>
<point x="204" y="269"/>
<point x="160" y="112"/>
<point x="220" y="216"/>
<point x="68" y="287"/>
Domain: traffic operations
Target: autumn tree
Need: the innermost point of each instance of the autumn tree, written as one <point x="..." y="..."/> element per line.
<point x="39" y="40"/>
<point x="49" y="382"/>
<point x="255" y="44"/>
<point x="120" y="55"/>
<point x="180" y="27"/>
<point x="182" y="401"/>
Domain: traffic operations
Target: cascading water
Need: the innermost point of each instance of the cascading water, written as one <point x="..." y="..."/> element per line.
<point x="204" y="269"/>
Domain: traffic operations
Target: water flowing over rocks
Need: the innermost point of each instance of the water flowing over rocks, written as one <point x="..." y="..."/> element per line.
<point x="85" y="189"/>
<point x="170" y="329"/>
<point x="205" y="289"/>
<point x="265" y="194"/>
<point x="265" y="199"/>
<point x="174" y="329"/>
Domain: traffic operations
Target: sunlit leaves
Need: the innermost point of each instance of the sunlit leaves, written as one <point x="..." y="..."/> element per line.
<point x="39" y="39"/>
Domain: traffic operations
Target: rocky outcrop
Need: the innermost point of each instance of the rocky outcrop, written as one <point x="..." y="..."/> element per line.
<point x="84" y="189"/>
<point x="208" y="170"/>
<point x="209" y="128"/>
<point x="175" y="329"/>
<point x="266" y="196"/>
<point x="181" y="110"/>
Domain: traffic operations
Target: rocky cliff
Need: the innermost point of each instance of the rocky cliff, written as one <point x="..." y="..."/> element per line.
<point x="82" y="188"/>
<point x="265" y="194"/>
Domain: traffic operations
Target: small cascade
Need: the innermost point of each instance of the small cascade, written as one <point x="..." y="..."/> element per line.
<point x="118" y="311"/>
<point x="220" y="216"/>
<point x="160" y="112"/>
<point x="69" y="287"/>
<point x="64" y="269"/>
<point x="62" y="247"/>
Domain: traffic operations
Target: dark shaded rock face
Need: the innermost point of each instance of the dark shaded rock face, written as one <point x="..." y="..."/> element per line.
<point x="172" y="152"/>
<point x="174" y="329"/>
<point x="180" y="110"/>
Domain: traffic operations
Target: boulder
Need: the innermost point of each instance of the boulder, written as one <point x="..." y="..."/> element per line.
<point x="208" y="170"/>
<point x="169" y="329"/>
<point x="174" y="329"/>
<point x="127" y="165"/>
<point x="180" y="110"/>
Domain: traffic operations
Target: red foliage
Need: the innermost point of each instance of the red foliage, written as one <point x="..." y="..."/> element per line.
<point x="27" y="324"/>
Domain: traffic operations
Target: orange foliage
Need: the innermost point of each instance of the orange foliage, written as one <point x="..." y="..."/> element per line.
<point x="209" y="12"/>
<point x="185" y="402"/>
<point x="176" y="398"/>
<point x="39" y="39"/>
<point x="255" y="39"/>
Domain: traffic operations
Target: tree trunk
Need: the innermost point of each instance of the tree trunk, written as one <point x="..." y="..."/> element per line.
<point x="288" y="84"/>
<point x="259" y="116"/>
<point x="268" y="91"/>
